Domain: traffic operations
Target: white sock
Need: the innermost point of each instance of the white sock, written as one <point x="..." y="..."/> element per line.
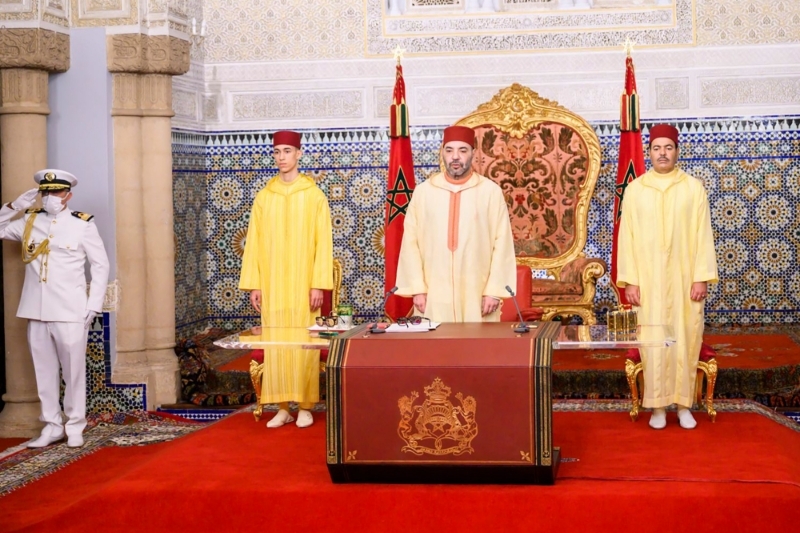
<point x="658" y="420"/>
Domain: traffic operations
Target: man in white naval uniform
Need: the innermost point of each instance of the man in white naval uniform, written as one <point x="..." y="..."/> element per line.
<point x="56" y="244"/>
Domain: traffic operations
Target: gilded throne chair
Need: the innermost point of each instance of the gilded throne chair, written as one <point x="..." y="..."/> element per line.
<point x="546" y="159"/>
<point x="330" y="302"/>
<point x="706" y="371"/>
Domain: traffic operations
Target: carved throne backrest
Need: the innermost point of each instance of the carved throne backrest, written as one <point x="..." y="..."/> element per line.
<point x="546" y="159"/>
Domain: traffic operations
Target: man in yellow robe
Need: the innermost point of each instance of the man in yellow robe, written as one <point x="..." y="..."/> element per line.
<point x="457" y="254"/>
<point x="287" y="263"/>
<point x="666" y="260"/>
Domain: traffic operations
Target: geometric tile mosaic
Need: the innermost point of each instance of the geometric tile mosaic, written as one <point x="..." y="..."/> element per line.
<point x="102" y="396"/>
<point x="751" y="169"/>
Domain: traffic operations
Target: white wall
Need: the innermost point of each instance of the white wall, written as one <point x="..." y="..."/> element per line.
<point x="80" y="135"/>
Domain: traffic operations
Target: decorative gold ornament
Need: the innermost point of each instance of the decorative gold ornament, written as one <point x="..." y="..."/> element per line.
<point x="398" y="53"/>
<point x="49" y="176"/>
<point x="31" y="250"/>
<point x="627" y="46"/>
<point x="351" y="456"/>
<point x="437" y="427"/>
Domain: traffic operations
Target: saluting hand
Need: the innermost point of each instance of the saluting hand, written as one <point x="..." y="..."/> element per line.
<point x="25" y="200"/>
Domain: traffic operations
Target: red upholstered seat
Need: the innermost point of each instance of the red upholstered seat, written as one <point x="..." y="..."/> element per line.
<point x="523" y="297"/>
<point x="706" y="353"/>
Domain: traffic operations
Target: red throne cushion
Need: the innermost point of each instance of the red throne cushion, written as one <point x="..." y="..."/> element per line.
<point x="325" y="310"/>
<point x="523" y="297"/>
<point x="706" y="353"/>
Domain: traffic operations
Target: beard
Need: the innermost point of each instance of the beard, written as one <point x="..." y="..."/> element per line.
<point x="466" y="166"/>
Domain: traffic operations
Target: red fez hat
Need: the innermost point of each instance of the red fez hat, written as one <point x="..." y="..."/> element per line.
<point x="664" y="130"/>
<point x="459" y="133"/>
<point x="290" y="138"/>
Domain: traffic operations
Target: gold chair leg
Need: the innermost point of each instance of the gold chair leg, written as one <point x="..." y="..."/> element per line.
<point x="256" y="372"/>
<point x="710" y="369"/>
<point x="631" y="371"/>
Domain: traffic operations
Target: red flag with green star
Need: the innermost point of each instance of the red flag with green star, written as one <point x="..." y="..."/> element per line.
<point x="400" y="187"/>
<point x="631" y="159"/>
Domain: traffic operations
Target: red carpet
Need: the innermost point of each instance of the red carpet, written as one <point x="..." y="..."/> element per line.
<point x="10" y="443"/>
<point x="740" y="474"/>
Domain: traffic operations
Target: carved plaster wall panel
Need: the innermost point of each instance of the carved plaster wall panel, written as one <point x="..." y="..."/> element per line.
<point x="382" y="99"/>
<point x="283" y="30"/>
<point x="211" y="108"/>
<point x="16" y="6"/>
<point x="672" y="93"/>
<point x="441" y="89"/>
<point x="56" y="12"/>
<point x="103" y="9"/>
<point x="34" y="48"/>
<point x="747" y="22"/>
<point x="766" y="91"/>
<point x="542" y="30"/>
<point x="184" y="104"/>
<point x="298" y="105"/>
<point x="99" y="13"/>
<point x="450" y="101"/>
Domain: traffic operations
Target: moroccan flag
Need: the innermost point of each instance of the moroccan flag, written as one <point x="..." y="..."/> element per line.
<point x="631" y="159"/>
<point x="400" y="187"/>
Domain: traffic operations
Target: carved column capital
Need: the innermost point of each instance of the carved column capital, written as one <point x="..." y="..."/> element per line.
<point x="34" y="48"/>
<point x="125" y="95"/>
<point x="24" y="90"/>
<point x="156" y="95"/>
<point x="158" y="54"/>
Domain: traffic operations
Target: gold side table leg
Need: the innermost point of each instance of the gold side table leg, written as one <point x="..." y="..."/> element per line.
<point x="631" y="371"/>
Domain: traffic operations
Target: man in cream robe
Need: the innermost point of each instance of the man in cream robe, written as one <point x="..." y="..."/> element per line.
<point x="457" y="254"/>
<point x="666" y="259"/>
<point x="288" y="261"/>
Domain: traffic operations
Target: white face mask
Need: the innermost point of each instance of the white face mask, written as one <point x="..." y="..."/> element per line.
<point x="52" y="204"/>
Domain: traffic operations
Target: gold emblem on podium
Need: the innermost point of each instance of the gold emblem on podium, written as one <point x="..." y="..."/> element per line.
<point x="436" y="426"/>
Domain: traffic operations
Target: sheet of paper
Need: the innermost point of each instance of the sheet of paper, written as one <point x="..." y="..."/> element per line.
<point x="397" y="328"/>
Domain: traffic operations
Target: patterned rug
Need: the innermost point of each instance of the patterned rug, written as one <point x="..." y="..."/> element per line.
<point x="20" y="465"/>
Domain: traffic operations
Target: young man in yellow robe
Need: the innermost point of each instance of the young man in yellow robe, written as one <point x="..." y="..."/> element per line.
<point x="666" y="260"/>
<point x="457" y="254"/>
<point x="287" y="263"/>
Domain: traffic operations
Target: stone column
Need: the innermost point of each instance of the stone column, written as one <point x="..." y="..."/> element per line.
<point x="28" y="55"/>
<point x="131" y="359"/>
<point x="159" y="235"/>
<point x="145" y="349"/>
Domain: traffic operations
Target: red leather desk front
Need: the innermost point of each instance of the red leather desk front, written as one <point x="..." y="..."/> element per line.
<point x="466" y="403"/>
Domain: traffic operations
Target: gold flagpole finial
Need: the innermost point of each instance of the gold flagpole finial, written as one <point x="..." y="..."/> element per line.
<point x="398" y="53"/>
<point x="627" y="46"/>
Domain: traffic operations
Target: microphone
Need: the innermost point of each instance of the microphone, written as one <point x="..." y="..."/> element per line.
<point x="375" y="329"/>
<point x="523" y="327"/>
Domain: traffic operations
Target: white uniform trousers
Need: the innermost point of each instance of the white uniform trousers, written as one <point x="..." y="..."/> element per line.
<point x="64" y="343"/>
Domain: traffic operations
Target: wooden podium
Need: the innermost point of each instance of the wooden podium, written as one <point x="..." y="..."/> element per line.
<point x="465" y="403"/>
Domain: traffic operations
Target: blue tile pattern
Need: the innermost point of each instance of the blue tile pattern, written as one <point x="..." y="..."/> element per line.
<point x="102" y="396"/>
<point x="751" y="168"/>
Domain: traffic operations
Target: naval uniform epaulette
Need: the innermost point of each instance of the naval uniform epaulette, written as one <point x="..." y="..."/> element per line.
<point x="86" y="217"/>
<point x="34" y="210"/>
